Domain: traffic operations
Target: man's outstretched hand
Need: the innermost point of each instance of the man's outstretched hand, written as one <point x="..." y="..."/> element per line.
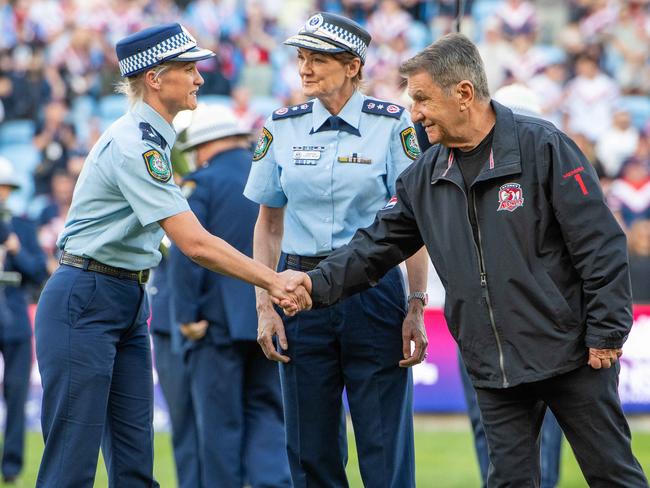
<point x="298" y="286"/>
<point x="288" y="294"/>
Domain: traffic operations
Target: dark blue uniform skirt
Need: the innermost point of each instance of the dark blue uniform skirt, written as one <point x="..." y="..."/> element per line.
<point x="355" y="344"/>
<point x="94" y="357"/>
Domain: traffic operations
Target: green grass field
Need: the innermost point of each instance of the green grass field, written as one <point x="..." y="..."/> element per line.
<point x="444" y="457"/>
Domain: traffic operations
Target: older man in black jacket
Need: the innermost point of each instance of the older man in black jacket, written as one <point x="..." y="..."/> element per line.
<point x="533" y="263"/>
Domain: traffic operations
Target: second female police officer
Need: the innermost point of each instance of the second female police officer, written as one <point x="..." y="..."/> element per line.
<point x="320" y="171"/>
<point x="91" y="326"/>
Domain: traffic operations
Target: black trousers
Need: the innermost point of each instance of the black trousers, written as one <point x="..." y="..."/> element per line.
<point x="586" y="404"/>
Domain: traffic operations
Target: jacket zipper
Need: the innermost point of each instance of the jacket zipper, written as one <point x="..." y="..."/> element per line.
<point x="481" y="264"/>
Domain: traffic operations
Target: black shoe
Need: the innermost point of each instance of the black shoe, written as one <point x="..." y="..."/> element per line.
<point x="10" y="480"/>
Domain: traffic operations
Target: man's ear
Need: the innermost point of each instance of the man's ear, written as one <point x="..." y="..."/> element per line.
<point x="465" y="94"/>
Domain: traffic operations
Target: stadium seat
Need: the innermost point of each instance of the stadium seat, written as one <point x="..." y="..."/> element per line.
<point x="24" y="156"/>
<point x="112" y="107"/>
<point x="264" y="105"/>
<point x="215" y="99"/>
<point x="483" y="10"/>
<point x="82" y="110"/>
<point x="18" y="131"/>
<point x="639" y="109"/>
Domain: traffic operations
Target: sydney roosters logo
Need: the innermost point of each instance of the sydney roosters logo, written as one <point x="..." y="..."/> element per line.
<point x="511" y="197"/>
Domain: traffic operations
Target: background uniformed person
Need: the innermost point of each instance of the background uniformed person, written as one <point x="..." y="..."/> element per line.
<point x="92" y="340"/>
<point x="321" y="170"/>
<point x="235" y="390"/>
<point x="21" y="261"/>
<point x="173" y="373"/>
<point x="534" y="266"/>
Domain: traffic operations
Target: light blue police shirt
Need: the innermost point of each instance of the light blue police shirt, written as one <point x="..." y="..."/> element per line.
<point x="126" y="186"/>
<point x="332" y="182"/>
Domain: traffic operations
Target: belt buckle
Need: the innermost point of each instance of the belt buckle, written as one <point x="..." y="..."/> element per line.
<point x="143" y="276"/>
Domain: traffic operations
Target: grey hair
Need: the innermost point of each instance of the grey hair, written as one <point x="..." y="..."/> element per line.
<point x="450" y="60"/>
<point x="133" y="86"/>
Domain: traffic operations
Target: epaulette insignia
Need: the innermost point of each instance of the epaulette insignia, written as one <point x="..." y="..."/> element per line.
<point x="151" y="134"/>
<point x="378" y="107"/>
<point x="284" y="112"/>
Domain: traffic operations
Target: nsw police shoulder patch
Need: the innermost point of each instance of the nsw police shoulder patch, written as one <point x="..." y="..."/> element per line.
<point x="410" y="143"/>
<point x="157" y="166"/>
<point x="263" y="144"/>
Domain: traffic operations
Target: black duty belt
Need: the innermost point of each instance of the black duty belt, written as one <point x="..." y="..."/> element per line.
<point x="92" y="265"/>
<point x="303" y="263"/>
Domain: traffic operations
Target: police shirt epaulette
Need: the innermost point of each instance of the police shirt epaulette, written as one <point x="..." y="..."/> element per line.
<point x="284" y="112"/>
<point x="151" y="134"/>
<point x="378" y="107"/>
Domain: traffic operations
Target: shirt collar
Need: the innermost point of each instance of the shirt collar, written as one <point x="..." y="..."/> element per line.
<point x="351" y="111"/>
<point x="149" y="115"/>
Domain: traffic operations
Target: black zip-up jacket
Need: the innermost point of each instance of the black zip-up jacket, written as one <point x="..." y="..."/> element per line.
<point x="548" y="277"/>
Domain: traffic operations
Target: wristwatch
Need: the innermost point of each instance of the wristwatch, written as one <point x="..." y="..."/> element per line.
<point x="419" y="295"/>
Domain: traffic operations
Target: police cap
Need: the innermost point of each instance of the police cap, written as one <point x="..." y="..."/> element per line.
<point x="331" y="33"/>
<point x="156" y="45"/>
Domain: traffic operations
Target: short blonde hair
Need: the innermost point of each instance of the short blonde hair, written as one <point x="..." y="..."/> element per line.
<point x="133" y="86"/>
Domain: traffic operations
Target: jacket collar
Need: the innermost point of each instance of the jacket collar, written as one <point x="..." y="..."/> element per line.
<point x="351" y="111"/>
<point x="505" y="157"/>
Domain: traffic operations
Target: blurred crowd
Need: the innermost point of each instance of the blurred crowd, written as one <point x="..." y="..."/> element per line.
<point x="588" y="61"/>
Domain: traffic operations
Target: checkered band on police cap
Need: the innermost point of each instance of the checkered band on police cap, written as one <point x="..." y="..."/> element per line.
<point x="331" y="33"/>
<point x="155" y="45"/>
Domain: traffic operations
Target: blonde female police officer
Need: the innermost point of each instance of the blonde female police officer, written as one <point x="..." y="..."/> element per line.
<point x="91" y="325"/>
<point x="321" y="170"/>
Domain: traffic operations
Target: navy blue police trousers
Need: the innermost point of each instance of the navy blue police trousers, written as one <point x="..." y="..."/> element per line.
<point x="174" y="379"/>
<point x="236" y="396"/>
<point x="94" y="356"/>
<point x="17" y="358"/>
<point x="356" y="344"/>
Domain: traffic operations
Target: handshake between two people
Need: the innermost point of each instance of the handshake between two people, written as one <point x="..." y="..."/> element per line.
<point x="292" y="293"/>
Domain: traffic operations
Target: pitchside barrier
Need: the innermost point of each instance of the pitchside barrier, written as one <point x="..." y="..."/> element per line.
<point x="437" y="384"/>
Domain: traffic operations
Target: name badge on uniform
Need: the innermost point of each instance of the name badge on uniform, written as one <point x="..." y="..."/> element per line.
<point x="354" y="158"/>
<point x="307" y="155"/>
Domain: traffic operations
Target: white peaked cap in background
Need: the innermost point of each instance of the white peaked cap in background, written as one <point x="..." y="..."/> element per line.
<point x="211" y="122"/>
